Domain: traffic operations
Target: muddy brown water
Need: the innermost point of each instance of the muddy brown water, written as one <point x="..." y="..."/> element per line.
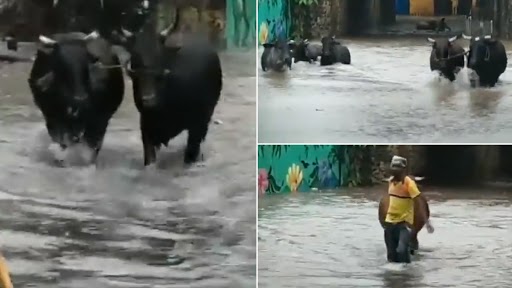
<point x="335" y="240"/>
<point x="117" y="224"/>
<point x="387" y="95"/>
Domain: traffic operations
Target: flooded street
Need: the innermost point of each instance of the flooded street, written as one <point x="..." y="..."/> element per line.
<point x="387" y="95"/>
<point x="335" y="240"/>
<point x="117" y="224"/>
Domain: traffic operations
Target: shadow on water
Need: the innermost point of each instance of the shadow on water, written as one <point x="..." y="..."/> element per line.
<point x="118" y="224"/>
<point x="387" y="94"/>
<point x="335" y="240"/>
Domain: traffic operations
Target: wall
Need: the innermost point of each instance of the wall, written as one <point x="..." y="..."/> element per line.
<point x="300" y="168"/>
<point x="328" y="17"/>
<point x="304" y="168"/>
<point x="241" y="23"/>
<point x="274" y="16"/>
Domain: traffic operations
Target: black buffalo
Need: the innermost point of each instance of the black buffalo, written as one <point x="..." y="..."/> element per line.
<point x="78" y="85"/>
<point x="487" y="58"/>
<point x="177" y="84"/>
<point x="447" y="57"/>
<point x="276" y="55"/>
<point x="306" y="51"/>
<point x="334" y="52"/>
<point x="438" y="26"/>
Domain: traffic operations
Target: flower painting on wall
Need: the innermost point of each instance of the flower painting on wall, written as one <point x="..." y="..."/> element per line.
<point x="297" y="168"/>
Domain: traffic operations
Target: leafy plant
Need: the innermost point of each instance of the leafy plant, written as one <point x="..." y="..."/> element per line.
<point x="301" y="19"/>
<point x="306" y="2"/>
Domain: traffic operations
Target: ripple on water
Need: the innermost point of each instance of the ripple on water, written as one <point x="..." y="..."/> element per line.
<point x="388" y="93"/>
<point x="117" y="224"/>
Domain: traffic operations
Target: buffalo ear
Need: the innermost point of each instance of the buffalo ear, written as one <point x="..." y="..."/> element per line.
<point x="336" y="43"/>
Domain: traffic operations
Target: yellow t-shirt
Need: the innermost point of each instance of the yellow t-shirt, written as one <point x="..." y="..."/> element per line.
<point x="401" y="203"/>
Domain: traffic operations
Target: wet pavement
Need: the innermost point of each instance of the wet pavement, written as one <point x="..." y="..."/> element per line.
<point x="335" y="240"/>
<point x="387" y="95"/>
<point x="117" y="224"/>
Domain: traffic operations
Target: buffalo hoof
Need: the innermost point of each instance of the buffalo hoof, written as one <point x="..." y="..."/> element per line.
<point x="190" y="158"/>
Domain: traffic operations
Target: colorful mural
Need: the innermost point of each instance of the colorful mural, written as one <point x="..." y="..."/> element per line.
<point x="241" y="23"/>
<point x="274" y="20"/>
<point x="304" y="168"/>
<point x="300" y="168"/>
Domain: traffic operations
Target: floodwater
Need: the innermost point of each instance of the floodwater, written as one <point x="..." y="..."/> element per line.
<point x="335" y="240"/>
<point x="387" y="95"/>
<point x="117" y="224"/>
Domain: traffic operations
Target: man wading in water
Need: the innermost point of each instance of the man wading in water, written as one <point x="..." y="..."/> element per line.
<point x="403" y="193"/>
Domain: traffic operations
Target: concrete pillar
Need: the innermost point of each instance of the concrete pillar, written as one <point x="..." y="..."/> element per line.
<point x="487" y="161"/>
<point x="374" y="14"/>
<point x="343" y="5"/>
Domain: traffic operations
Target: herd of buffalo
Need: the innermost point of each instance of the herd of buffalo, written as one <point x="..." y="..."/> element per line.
<point x="278" y="54"/>
<point x="486" y="56"/>
<point x="77" y="82"/>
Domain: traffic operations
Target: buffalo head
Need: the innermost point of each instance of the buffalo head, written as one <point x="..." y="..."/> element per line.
<point x="441" y="49"/>
<point x="280" y="53"/>
<point x="144" y="64"/>
<point x="299" y="51"/>
<point x="67" y="65"/>
<point x="328" y="46"/>
<point x="479" y="50"/>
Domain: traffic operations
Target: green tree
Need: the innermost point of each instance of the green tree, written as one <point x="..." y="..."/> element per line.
<point x="302" y="20"/>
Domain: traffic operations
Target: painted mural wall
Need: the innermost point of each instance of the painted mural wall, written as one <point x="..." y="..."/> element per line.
<point x="274" y="19"/>
<point x="241" y="23"/>
<point x="301" y="168"/>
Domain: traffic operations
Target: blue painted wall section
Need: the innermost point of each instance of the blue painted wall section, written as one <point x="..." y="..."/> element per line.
<point x="274" y="20"/>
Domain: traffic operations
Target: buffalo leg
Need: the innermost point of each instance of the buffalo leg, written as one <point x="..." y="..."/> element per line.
<point x="149" y="151"/>
<point x="196" y="135"/>
<point x="147" y="144"/>
<point x="94" y="135"/>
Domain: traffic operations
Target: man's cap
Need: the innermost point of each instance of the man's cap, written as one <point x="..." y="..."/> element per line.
<point x="398" y="162"/>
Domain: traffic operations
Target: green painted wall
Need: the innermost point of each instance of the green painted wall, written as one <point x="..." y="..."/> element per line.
<point x="273" y="14"/>
<point x="301" y="168"/>
<point x="241" y="23"/>
<point x="304" y="168"/>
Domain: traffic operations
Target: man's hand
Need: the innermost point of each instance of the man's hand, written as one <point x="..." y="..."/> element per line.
<point x="430" y="228"/>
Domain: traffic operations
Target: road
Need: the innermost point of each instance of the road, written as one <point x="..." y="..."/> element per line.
<point x="117" y="224"/>
<point x="387" y="95"/>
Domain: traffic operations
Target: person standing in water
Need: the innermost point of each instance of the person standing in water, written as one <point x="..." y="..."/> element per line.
<point x="403" y="193"/>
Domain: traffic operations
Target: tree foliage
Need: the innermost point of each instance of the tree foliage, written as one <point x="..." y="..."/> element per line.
<point x="302" y="19"/>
